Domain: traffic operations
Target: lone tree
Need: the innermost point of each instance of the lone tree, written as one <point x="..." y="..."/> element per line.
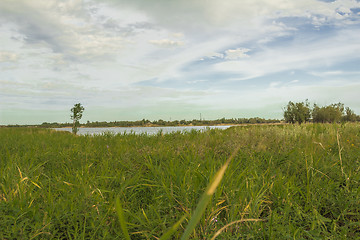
<point x="76" y="114"/>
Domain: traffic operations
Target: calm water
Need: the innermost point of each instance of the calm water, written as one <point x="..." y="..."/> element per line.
<point x="140" y="130"/>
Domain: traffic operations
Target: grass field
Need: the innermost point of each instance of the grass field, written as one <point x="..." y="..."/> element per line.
<point x="293" y="181"/>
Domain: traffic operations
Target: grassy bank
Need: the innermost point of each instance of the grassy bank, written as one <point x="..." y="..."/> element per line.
<point x="302" y="182"/>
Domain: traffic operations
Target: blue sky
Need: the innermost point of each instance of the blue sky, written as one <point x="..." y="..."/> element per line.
<point x="135" y="59"/>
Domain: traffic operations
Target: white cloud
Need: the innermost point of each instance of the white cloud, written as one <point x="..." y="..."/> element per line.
<point x="230" y="54"/>
<point x="166" y="43"/>
<point x="178" y="35"/>
<point x="8" y="57"/>
<point x="64" y="27"/>
<point x="108" y="47"/>
<point x="274" y="84"/>
<point x="214" y="55"/>
<point x="227" y="15"/>
<point x="234" y="54"/>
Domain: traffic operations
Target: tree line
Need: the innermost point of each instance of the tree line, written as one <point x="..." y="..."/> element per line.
<point x="161" y="122"/>
<point x="302" y="112"/>
<point x="299" y="112"/>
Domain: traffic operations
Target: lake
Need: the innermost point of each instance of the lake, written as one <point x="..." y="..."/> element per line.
<point x="140" y="130"/>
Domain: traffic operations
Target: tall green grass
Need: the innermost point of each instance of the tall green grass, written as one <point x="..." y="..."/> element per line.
<point x="284" y="182"/>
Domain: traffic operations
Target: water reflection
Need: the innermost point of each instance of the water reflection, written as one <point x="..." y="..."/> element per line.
<point x="140" y="130"/>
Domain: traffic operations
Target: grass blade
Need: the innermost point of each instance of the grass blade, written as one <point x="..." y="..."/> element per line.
<point x="200" y="208"/>
<point x="120" y="213"/>
<point x="173" y="229"/>
<point x="235" y="222"/>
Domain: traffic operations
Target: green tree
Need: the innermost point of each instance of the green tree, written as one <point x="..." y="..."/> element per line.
<point x="297" y="112"/>
<point x="331" y="113"/>
<point x="350" y="116"/>
<point x="76" y="115"/>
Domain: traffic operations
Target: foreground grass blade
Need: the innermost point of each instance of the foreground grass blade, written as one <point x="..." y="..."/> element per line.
<point x="200" y="208"/>
<point x="173" y="229"/>
<point x="120" y="213"/>
<point x="232" y="223"/>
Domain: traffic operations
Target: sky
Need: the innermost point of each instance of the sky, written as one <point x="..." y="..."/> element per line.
<point x="175" y="59"/>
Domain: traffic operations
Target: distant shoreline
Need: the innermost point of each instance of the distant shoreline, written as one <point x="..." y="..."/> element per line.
<point x="152" y="125"/>
<point x="155" y="123"/>
<point x="241" y="124"/>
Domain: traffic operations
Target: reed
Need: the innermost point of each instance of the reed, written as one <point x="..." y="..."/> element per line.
<point x="296" y="181"/>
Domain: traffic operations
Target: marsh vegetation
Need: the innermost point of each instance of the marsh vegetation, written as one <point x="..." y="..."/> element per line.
<point x="296" y="181"/>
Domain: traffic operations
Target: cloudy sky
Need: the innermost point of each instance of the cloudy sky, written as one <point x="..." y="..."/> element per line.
<point x="162" y="59"/>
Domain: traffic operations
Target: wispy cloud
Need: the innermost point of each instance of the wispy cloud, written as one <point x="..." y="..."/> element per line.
<point x="334" y="73"/>
<point x="307" y="55"/>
